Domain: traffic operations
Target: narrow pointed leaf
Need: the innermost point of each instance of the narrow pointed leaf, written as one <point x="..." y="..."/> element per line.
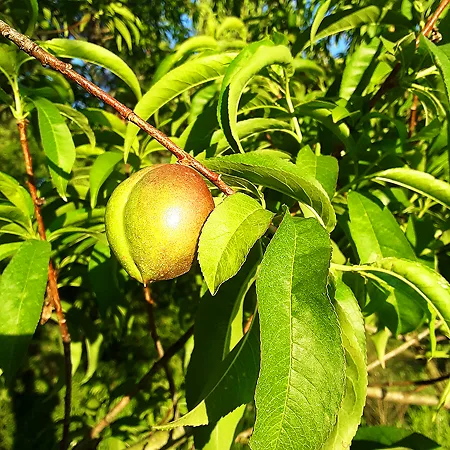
<point x="184" y="77"/>
<point x="251" y="60"/>
<point x="417" y="181"/>
<point x="281" y="175"/>
<point x="229" y="233"/>
<point x="356" y="66"/>
<point x="375" y="231"/>
<point x="432" y="286"/>
<point x="354" y="339"/>
<point x="68" y="48"/>
<point x="78" y="119"/>
<point x="302" y="378"/>
<point x="100" y="171"/>
<point x="57" y="143"/>
<point x="22" y="285"/>
<point x="16" y="194"/>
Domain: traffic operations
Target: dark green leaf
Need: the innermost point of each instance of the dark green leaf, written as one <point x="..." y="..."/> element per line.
<point x="100" y="171"/>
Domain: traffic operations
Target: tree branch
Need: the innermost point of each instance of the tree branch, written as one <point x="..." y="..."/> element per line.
<point x="113" y="412"/>
<point x="158" y="344"/>
<point x="413" y="382"/>
<point x="391" y="79"/>
<point x="404" y="398"/>
<point x="400" y="349"/>
<point x="30" y="47"/>
<point x="52" y="286"/>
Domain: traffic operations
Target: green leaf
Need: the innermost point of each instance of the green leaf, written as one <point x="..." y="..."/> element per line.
<point x="323" y="112"/>
<point x="125" y="33"/>
<point x="248" y="63"/>
<point x="16" y="194"/>
<point x="92" y="53"/>
<point x="417" y="181"/>
<point x="101" y="271"/>
<point x="78" y="119"/>
<point x="227" y="236"/>
<point x="33" y="17"/>
<point x="441" y="57"/>
<point x="302" y="378"/>
<point x="22" y="286"/>
<point x="320" y="14"/>
<point x="105" y="119"/>
<point x="430" y="285"/>
<point x="100" y="171"/>
<point x="93" y="354"/>
<point x="57" y="142"/>
<point x="9" y="249"/>
<point x="323" y="168"/>
<point x="375" y="231"/>
<point x="251" y="127"/>
<point x="281" y="175"/>
<point x="193" y="44"/>
<point x="222" y="437"/>
<point x="356" y="66"/>
<point x="177" y="81"/>
<point x="346" y="20"/>
<point x="213" y="344"/>
<point x="230" y="385"/>
<point x="354" y="339"/>
<point x="391" y="437"/>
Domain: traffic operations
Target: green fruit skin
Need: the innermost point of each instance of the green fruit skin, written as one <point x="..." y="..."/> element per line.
<point x="154" y="218"/>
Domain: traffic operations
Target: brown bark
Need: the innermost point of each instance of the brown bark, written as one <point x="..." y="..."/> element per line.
<point x="30" y="47"/>
<point x="52" y="285"/>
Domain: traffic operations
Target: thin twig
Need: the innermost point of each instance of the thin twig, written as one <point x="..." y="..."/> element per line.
<point x="400" y="349"/>
<point x="413" y="382"/>
<point x="113" y="412"/>
<point x="52" y="286"/>
<point x="158" y="344"/>
<point x="404" y="398"/>
<point x="391" y="79"/>
<point x="413" y="116"/>
<point x="30" y="47"/>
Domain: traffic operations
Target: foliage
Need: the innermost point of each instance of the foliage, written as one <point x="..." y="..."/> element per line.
<point x="329" y="122"/>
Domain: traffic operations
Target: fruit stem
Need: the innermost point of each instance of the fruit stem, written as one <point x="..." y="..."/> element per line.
<point x="46" y="59"/>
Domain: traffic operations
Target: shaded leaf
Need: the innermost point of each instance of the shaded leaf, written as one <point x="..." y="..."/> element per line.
<point x="417" y="181"/>
<point x="100" y="171"/>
